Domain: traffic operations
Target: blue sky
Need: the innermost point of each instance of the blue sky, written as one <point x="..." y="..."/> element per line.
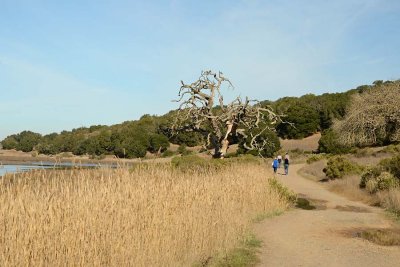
<point x="67" y="64"/>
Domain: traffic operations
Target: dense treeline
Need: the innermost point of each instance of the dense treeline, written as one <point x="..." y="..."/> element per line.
<point x="128" y="140"/>
<point x="303" y="117"/>
<point x="309" y="114"/>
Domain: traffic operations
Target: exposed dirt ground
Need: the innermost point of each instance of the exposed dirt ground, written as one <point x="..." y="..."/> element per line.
<point x="306" y="144"/>
<point x="326" y="235"/>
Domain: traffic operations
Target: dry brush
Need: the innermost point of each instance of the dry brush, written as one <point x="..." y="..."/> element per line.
<point x="373" y="117"/>
<point x="152" y="216"/>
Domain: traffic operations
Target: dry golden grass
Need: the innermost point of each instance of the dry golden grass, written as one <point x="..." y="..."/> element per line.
<point x="349" y="187"/>
<point x="306" y="144"/>
<point x="391" y="200"/>
<point x="151" y="216"/>
<point x="314" y="170"/>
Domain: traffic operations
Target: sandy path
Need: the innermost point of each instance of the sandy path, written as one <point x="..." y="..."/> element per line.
<point x="317" y="237"/>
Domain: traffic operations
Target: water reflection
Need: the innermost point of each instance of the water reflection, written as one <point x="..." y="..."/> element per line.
<point x="48" y="165"/>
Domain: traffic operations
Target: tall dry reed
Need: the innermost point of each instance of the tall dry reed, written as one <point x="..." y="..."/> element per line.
<point x="153" y="216"/>
<point x="390" y="199"/>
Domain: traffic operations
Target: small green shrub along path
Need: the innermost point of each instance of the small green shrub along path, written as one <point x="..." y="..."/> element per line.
<point x="326" y="229"/>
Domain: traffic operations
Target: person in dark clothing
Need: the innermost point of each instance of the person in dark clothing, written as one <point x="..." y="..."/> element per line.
<point x="286" y="165"/>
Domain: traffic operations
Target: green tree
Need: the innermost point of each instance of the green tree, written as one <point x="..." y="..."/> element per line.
<point x="28" y="140"/>
<point x="329" y="143"/>
<point x="304" y="122"/>
<point x="272" y="144"/>
<point x="10" y="142"/>
<point x="158" y="143"/>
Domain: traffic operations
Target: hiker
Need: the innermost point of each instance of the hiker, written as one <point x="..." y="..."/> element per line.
<point x="286" y="164"/>
<point x="275" y="164"/>
<point x="279" y="161"/>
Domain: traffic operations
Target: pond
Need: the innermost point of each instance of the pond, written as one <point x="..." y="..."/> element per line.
<point x="47" y="165"/>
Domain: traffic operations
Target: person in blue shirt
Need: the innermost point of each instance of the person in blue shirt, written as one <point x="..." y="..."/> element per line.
<point x="275" y="164"/>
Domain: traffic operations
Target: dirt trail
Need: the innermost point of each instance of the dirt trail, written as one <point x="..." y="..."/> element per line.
<point x="321" y="237"/>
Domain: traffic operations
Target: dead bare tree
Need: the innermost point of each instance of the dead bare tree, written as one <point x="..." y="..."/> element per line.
<point x="202" y="109"/>
<point x="373" y="117"/>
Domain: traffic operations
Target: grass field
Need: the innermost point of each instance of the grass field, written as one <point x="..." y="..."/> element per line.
<point x="153" y="215"/>
<point x="306" y="144"/>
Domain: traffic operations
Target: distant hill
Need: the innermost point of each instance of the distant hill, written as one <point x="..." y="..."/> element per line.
<point x="309" y="114"/>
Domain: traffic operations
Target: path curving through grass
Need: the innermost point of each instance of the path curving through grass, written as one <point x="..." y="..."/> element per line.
<point x="331" y="234"/>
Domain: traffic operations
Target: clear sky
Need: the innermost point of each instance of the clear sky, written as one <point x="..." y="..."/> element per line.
<point x="67" y="64"/>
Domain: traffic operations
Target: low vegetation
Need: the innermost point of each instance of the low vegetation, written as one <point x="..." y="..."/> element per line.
<point x="315" y="158"/>
<point x="339" y="166"/>
<point x="384" y="176"/>
<point x="384" y="237"/>
<point x="374" y="185"/>
<point x="151" y="215"/>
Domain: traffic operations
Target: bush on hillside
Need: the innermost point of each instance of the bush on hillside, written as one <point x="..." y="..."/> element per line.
<point x="182" y="149"/>
<point x="392" y="165"/>
<point x="384" y="181"/>
<point x="383" y="176"/>
<point x="193" y="163"/>
<point x="167" y="153"/>
<point x="315" y="158"/>
<point x="329" y="143"/>
<point x="338" y="166"/>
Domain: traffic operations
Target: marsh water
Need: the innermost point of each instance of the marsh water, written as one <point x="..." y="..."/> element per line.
<point x="8" y="168"/>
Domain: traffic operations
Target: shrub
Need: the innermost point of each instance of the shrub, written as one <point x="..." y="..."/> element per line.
<point x="392" y="149"/>
<point x="382" y="177"/>
<point x="167" y="153"/>
<point x="392" y="165"/>
<point x="193" y="163"/>
<point x="246" y="158"/>
<point x="183" y="150"/>
<point x="337" y="167"/>
<point x="329" y="143"/>
<point x="369" y="174"/>
<point x="371" y="185"/>
<point x="384" y="181"/>
<point x="314" y="158"/>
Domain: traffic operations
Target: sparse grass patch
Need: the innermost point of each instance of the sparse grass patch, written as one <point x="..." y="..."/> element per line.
<point x="391" y="201"/>
<point x="383" y="237"/>
<point x="168" y="153"/>
<point x="266" y="215"/>
<point x="284" y="192"/>
<point x="243" y="256"/>
<point x="349" y="187"/>
<point x="392" y="149"/>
